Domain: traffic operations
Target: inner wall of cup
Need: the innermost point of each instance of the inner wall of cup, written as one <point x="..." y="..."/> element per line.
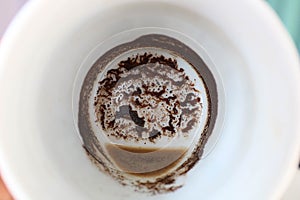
<point x="73" y="51"/>
<point x="46" y="119"/>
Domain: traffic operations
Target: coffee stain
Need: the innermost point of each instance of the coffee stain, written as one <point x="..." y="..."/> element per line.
<point x="153" y="91"/>
<point x="161" y="182"/>
<point x="144" y="162"/>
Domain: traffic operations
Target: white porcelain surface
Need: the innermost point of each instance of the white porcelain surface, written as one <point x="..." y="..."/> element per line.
<point x="293" y="192"/>
<point x="40" y="152"/>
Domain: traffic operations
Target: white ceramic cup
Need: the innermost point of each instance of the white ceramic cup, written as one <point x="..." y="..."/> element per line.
<point x="41" y="155"/>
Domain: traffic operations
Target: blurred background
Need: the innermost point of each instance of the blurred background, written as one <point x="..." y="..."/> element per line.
<point x="287" y="10"/>
<point x="8" y="9"/>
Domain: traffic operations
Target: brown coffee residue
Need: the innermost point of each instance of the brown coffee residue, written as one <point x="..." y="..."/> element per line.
<point x="144" y="162"/>
<point x="163" y="181"/>
<point x="147" y="97"/>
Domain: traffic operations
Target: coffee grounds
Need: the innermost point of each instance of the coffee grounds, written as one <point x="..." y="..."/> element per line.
<point x="147" y="97"/>
<point x="162" y="182"/>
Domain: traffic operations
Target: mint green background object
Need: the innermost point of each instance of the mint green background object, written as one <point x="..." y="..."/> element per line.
<point x="289" y="12"/>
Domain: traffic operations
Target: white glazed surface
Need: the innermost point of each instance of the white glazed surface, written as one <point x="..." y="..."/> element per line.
<point x="292" y="192"/>
<point x="40" y="152"/>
